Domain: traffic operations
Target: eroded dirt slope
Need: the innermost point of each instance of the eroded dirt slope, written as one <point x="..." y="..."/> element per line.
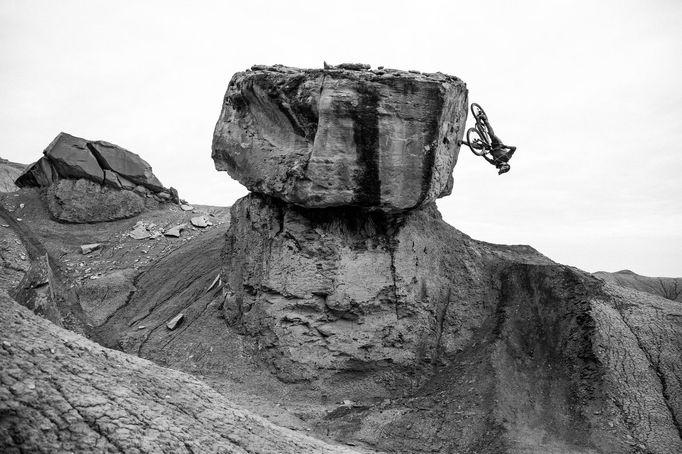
<point x="63" y="393"/>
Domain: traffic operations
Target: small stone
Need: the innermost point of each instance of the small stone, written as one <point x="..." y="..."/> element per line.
<point x="186" y="207"/>
<point x="199" y="221"/>
<point x="19" y="219"/>
<point x="88" y="248"/>
<point x="175" y="231"/>
<point x="164" y="195"/>
<point x="175" y="321"/>
<point x="139" y="233"/>
<point x="216" y="282"/>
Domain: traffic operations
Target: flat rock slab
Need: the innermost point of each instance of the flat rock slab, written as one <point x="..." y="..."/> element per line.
<point x="88" y="248"/>
<point x="175" y="231"/>
<point x="385" y="140"/>
<point x="126" y="163"/>
<point x="71" y="158"/>
<point x="175" y="322"/>
<point x="200" y="221"/>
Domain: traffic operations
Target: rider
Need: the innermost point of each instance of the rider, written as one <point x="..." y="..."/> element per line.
<point x="500" y="152"/>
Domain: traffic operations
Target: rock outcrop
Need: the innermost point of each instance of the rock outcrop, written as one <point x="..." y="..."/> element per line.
<point x="75" y="158"/>
<point x="93" y="181"/>
<point x="62" y="393"/>
<point x="384" y="139"/>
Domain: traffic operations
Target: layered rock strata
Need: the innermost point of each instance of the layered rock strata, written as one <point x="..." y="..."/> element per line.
<point x="384" y="140"/>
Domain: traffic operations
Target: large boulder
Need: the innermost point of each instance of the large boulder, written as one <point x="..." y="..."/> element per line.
<point x="83" y="201"/>
<point x="384" y="139"/>
<point x="71" y="157"/>
<point x="126" y="164"/>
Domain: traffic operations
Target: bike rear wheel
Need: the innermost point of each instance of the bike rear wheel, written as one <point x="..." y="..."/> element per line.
<point x="477" y="142"/>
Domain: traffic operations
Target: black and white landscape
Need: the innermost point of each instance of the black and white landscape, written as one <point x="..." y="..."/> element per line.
<point x="331" y="303"/>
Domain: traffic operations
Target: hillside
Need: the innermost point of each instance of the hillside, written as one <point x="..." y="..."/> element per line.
<point x="667" y="287"/>
<point x="9" y="171"/>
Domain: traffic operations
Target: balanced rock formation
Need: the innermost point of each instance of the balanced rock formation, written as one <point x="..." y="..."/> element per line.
<point x="93" y="181"/>
<point x="341" y="270"/>
<point x="384" y="140"/>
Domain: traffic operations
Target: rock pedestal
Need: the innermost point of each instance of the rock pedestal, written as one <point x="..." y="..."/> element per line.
<point x="383" y="140"/>
<point x="333" y="290"/>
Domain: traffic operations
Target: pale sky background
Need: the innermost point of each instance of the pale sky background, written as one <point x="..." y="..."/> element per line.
<point x="589" y="91"/>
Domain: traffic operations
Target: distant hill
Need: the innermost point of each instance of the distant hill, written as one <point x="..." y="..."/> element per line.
<point x="667" y="287"/>
<point x="9" y="171"/>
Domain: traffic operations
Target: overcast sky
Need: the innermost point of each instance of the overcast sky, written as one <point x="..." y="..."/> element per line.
<point x="589" y="91"/>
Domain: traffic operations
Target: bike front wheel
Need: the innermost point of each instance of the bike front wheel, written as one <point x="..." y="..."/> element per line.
<point x="478" y="112"/>
<point x="479" y="146"/>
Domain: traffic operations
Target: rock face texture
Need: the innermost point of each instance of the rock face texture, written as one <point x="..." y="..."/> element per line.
<point x="62" y="393"/>
<point x="336" y="289"/>
<point x="93" y="181"/>
<point x="80" y="201"/>
<point x="385" y="140"/>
